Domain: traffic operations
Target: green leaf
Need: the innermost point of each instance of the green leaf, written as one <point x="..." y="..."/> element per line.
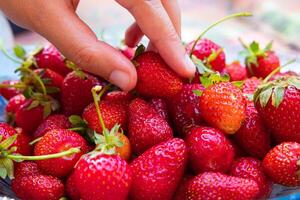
<point x="254" y="46"/>
<point x="3" y="172"/>
<point x="139" y="50"/>
<point x="52" y="90"/>
<point x="294" y="82"/>
<point x="238" y="84"/>
<point x="265" y="96"/>
<point x="33" y="104"/>
<point x="19" y="51"/>
<point x="5" y="144"/>
<point x="28" y="92"/>
<point x="269" y="46"/>
<point x="198" y="92"/>
<point x="80" y="74"/>
<point x="9" y="166"/>
<point x="214" y="55"/>
<point x="76" y="120"/>
<point x="47" y="110"/>
<point x="206" y="81"/>
<point x="277" y="96"/>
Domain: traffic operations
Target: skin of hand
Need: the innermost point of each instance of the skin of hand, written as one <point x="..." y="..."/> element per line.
<point x="58" y="22"/>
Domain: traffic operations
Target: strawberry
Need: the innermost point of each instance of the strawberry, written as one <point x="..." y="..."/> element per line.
<point x="185" y="108"/>
<point x="236" y="71"/>
<point x="209" y="150"/>
<point x="211" y="54"/>
<point x="71" y="189"/>
<point x="51" y="79"/>
<point x="278" y="103"/>
<point x="38" y="187"/>
<point x="215" y="185"/>
<point x="52" y="122"/>
<point x="249" y="87"/>
<point x="50" y="58"/>
<point x="55" y="141"/>
<point x="181" y="190"/>
<point x="27" y="168"/>
<point x="118" y="96"/>
<point x="100" y="176"/>
<point x="281" y="164"/>
<point x="146" y="127"/>
<point x="76" y="92"/>
<point x="251" y="168"/>
<point x="155" y="78"/>
<point x="253" y="136"/>
<point x="158" y="171"/>
<point x="223" y="106"/>
<point x="161" y="107"/>
<point x="112" y="113"/>
<point x="260" y="62"/>
<point x="9" y="92"/>
<point x="283" y="74"/>
<point x="14" y="104"/>
<point x="128" y="52"/>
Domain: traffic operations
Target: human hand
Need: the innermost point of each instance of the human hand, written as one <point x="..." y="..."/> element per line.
<point x="57" y="21"/>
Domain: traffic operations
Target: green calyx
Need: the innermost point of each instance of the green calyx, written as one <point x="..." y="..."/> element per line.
<point x="139" y="50"/>
<point x="275" y="91"/>
<point x="8" y="156"/>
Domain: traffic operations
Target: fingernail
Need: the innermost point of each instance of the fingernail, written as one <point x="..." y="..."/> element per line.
<point x="190" y="66"/>
<point x="119" y="78"/>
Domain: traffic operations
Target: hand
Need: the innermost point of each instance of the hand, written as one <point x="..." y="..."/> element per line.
<point x="57" y="21"/>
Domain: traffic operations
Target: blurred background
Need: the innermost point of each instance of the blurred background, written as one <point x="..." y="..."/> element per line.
<point x="273" y="20"/>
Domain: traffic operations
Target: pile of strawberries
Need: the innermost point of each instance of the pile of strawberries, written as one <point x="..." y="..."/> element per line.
<point x="228" y="133"/>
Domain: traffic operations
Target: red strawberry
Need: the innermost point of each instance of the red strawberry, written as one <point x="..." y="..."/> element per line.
<point x="27" y="168"/>
<point x="185" y="108"/>
<point x="146" y="127"/>
<point x="215" y="185"/>
<point x="253" y="136"/>
<point x="209" y="150"/>
<point x="118" y="96"/>
<point x="49" y="57"/>
<point x="14" y="104"/>
<point x="55" y="141"/>
<point x="223" y="106"/>
<point x="260" y="62"/>
<point x="71" y="189"/>
<point x="50" y="78"/>
<point x="99" y="176"/>
<point x="281" y="164"/>
<point x="251" y="168"/>
<point x="278" y="103"/>
<point x="52" y="122"/>
<point x="76" y="92"/>
<point x="236" y="71"/>
<point x="10" y="92"/>
<point x="38" y="187"/>
<point x="158" y="171"/>
<point x="155" y="78"/>
<point x="181" y="190"/>
<point x="250" y="85"/>
<point x="161" y="107"/>
<point x="21" y="142"/>
<point x="211" y="54"/>
<point x="112" y="113"/>
<point x="283" y="74"/>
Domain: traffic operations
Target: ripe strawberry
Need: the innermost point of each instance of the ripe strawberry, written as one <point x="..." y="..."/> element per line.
<point x="209" y="150"/>
<point x="260" y="62"/>
<point x="223" y="106"/>
<point x="158" y="171"/>
<point x="71" y="189"/>
<point x="161" y="107"/>
<point x="55" y="141"/>
<point x="10" y="92"/>
<point x="52" y="122"/>
<point x="215" y="185"/>
<point x="236" y="71"/>
<point x="211" y="54"/>
<point x="185" y="108"/>
<point x="14" y="104"/>
<point x="155" y="78"/>
<point x="252" y="136"/>
<point x="118" y="96"/>
<point x="281" y="164"/>
<point x="50" y="78"/>
<point x="38" y="187"/>
<point x="100" y="176"/>
<point x="278" y="103"/>
<point x="27" y="168"/>
<point x="76" y="92"/>
<point x="251" y="168"/>
<point x="49" y="57"/>
<point x="112" y="113"/>
<point x="250" y="85"/>
<point x="283" y="74"/>
<point x="181" y="190"/>
<point x="146" y="127"/>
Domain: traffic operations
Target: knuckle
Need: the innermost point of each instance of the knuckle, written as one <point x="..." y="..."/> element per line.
<point x="84" y="56"/>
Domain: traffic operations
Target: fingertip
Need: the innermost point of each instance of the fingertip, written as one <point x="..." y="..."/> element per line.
<point x="133" y="35"/>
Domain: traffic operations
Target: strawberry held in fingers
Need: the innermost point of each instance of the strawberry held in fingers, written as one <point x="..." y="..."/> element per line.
<point x="215" y="185"/>
<point x="281" y="164"/>
<point x="55" y="141"/>
<point x="278" y="103"/>
<point x="251" y="168"/>
<point x="209" y="150"/>
<point x="146" y="126"/>
<point x="158" y="171"/>
<point x="223" y="106"/>
<point x="155" y="77"/>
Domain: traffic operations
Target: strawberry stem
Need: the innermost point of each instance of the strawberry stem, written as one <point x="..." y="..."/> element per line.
<point x="35" y="141"/>
<point x="16" y="86"/>
<point x="37" y="78"/>
<point x="77" y="129"/>
<point x="243" y="14"/>
<point x="95" y="90"/>
<point x="275" y="71"/>
<point x="44" y="157"/>
<point x="3" y="50"/>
